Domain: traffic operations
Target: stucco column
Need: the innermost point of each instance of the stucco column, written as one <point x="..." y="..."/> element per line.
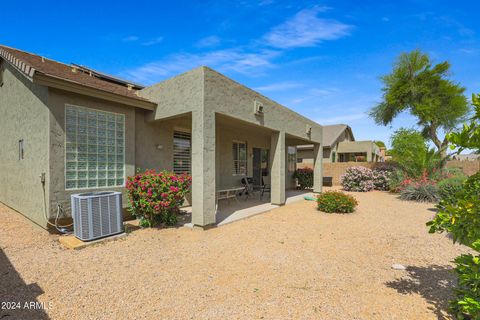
<point x="317" y="168"/>
<point x="278" y="168"/>
<point x="203" y="168"/>
<point x="369" y="157"/>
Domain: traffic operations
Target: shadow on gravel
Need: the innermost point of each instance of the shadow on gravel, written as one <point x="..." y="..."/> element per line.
<point x="434" y="283"/>
<point x="17" y="299"/>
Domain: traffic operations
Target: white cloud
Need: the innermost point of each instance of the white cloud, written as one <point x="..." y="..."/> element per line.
<point x="208" y="42"/>
<point x="130" y="39"/>
<point x="319" y="92"/>
<point x="305" y="29"/>
<point x="278" y="86"/>
<point x="315" y="93"/>
<point x="238" y="60"/>
<point x="342" y="119"/>
<point x="152" y="42"/>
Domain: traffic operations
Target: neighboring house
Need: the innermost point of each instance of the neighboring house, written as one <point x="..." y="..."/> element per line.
<point x="339" y="145"/>
<point x="67" y="129"/>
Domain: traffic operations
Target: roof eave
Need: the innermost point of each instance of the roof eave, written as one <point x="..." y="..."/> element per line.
<point x="59" y="83"/>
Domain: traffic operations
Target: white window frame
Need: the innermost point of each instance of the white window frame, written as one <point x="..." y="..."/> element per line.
<point x="238" y="143"/>
<point x="76" y="152"/>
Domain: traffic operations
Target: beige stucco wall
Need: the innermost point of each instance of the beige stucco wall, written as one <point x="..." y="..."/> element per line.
<point x="58" y="100"/>
<point x="468" y="167"/>
<point x="225" y="137"/>
<point x="149" y="135"/>
<point x="23" y="115"/>
<point x="225" y="96"/>
<point x="337" y="169"/>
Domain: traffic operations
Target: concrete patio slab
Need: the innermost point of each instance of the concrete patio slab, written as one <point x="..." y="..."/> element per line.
<point x="72" y="242"/>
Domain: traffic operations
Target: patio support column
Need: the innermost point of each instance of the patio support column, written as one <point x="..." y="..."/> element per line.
<point x="278" y="168"/>
<point x="203" y="168"/>
<point x="369" y="157"/>
<point x="317" y="168"/>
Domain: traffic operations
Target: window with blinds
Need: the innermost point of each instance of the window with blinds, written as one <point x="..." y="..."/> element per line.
<point x="182" y="152"/>
<point x="239" y="150"/>
<point x="94" y="148"/>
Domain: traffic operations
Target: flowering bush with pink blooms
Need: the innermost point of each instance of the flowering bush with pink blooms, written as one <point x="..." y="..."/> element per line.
<point x="155" y="197"/>
<point x="358" y="179"/>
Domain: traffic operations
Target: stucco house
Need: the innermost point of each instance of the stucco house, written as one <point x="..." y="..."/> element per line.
<point x="67" y="129"/>
<point x="339" y="145"/>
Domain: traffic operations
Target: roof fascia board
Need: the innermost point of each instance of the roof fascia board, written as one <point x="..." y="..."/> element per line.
<point x="62" y="84"/>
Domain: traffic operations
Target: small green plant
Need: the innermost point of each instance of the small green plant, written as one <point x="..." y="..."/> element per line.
<point x="421" y="192"/>
<point x="304" y="177"/>
<point x="336" y="202"/>
<point x="448" y="188"/>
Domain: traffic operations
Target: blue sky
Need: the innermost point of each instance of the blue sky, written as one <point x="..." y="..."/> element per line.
<point x="322" y="59"/>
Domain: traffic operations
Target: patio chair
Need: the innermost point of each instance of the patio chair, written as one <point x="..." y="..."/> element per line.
<point x="248" y="188"/>
<point x="264" y="188"/>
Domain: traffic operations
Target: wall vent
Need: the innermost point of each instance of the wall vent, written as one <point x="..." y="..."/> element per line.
<point x="258" y="108"/>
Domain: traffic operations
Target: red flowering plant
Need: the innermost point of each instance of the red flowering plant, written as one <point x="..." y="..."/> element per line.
<point x="155" y="197"/>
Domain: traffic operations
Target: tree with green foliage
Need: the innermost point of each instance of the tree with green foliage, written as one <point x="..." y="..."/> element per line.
<point x="469" y="137"/>
<point x="423" y="90"/>
<point x="410" y="150"/>
<point x="380" y="144"/>
<point x="461" y="218"/>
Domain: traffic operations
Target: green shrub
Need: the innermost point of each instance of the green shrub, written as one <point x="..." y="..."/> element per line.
<point x="358" y="179"/>
<point x="421" y="192"/>
<point x="304" y="178"/>
<point x="448" y="188"/>
<point x="462" y="220"/>
<point x="336" y="202"/>
<point x="395" y="181"/>
<point x="381" y="179"/>
<point x="155" y="197"/>
<point x="467" y="304"/>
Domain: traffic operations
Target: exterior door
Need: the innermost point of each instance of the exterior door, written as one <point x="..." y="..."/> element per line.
<point x="260" y="165"/>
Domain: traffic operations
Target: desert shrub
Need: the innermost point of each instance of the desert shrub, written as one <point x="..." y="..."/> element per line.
<point x="381" y="179"/>
<point x="304" y="177"/>
<point x="358" y="179"/>
<point x="462" y="220"/>
<point x="410" y="150"/>
<point x="448" y="188"/>
<point x="467" y="304"/>
<point x="156" y="197"/>
<point x="446" y="173"/>
<point x="395" y="181"/>
<point x="419" y="191"/>
<point x="336" y="202"/>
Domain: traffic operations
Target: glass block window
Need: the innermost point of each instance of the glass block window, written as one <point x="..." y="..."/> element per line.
<point x="239" y="151"/>
<point x="182" y="142"/>
<point x="94" y="148"/>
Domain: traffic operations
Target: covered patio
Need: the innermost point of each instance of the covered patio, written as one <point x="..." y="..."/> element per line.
<point x="232" y="210"/>
<point x="224" y="133"/>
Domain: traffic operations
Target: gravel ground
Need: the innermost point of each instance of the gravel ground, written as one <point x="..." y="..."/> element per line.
<point x="290" y="263"/>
